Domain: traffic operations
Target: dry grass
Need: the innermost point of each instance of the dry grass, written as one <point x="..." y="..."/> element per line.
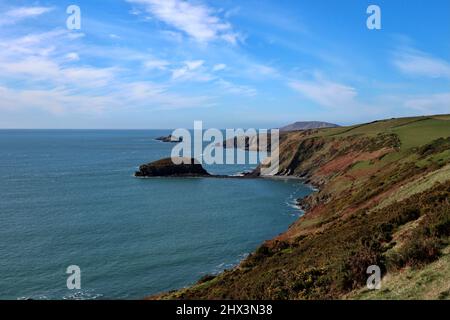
<point x="431" y="282"/>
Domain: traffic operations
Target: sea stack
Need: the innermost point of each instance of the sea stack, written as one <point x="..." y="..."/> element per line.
<point x="168" y="168"/>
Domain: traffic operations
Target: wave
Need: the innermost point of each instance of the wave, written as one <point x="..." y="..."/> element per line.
<point x="83" y="295"/>
<point x="88" y="294"/>
<point x="229" y="265"/>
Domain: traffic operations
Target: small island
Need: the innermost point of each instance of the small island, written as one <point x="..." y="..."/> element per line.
<point x="170" y="138"/>
<point x="168" y="168"/>
<point x="186" y="168"/>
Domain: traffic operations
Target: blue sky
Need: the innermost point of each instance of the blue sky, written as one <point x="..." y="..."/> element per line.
<point x="251" y="63"/>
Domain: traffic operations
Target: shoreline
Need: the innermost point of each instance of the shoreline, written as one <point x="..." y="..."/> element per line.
<point x="359" y="201"/>
<point x="296" y="206"/>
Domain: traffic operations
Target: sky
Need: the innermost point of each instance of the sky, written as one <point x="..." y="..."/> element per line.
<point x="142" y="64"/>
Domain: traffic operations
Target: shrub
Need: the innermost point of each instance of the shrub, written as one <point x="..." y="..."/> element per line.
<point x="419" y="251"/>
<point x="206" y="278"/>
<point x="263" y="251"/>
<point x="406" y="215"/>
<point x="353" y="271"/>
<point x="307" y="282"/>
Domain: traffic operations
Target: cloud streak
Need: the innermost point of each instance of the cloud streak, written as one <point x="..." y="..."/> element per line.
<point x="48" y="76"/>
<point x="433" y="103"/>
<point x="234" y="89"/>
<point x="192" y="71"/>
<point x="416" y="63"/>
<point x="198" y="21"/>
<point x="18" y="14"/>
<point x="326" y="93"/>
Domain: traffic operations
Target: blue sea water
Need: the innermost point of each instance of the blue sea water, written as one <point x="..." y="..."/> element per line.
<point x="68" y="197"/>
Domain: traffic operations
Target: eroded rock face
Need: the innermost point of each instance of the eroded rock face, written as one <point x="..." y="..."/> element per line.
<point x="167" y="168"/>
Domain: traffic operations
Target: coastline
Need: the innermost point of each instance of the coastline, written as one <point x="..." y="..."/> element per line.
<point x="350" y="176"/>
<point x="296" y="205"/>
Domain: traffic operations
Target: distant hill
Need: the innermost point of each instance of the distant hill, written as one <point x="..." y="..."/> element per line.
<point x="308" y="125"/>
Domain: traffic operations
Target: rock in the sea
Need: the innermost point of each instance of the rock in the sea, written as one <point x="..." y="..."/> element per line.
<point x="170" y="138"/>
<point x="167" y="168"/>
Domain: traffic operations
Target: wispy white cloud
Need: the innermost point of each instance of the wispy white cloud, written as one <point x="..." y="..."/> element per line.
<point x="32" y="44"/>
<point x="417" y="63"/>
<point x="72" y="56"/>
<point x="58" y="100"/>
<point x="114" y="36"/>
<point x="156" y="96"/>
<point x="198" y="21"/>
<point x="18" y="14"/>
<point x="431" y="104"/>
<point x="89" y="77"/>
<point x="49" y="76"/>
<point x="235" y="89"/>
<point x="64" y="100"/>
<point x="192" y="71"/>
<point x="195" y="64"/>
<point x="325" y="92"/>
<point x="263" y="70"/>
<point x="219" y="67"/>
<point x="172" y="36"/>
<point x="157" y="64"/>
<point x="35" y="68"/>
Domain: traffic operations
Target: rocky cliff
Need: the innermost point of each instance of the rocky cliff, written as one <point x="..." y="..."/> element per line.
<point x="383" y="199"/>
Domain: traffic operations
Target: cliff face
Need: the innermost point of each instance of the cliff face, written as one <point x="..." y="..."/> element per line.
<point x="384" y="200"/>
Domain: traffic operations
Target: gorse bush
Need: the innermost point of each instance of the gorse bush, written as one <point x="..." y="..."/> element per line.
<point x="206" y="278"/>
<point x="308" y="283"/>
<point x="432" y="232"/>
<point x="436" y="146"/>
<point x="419" y="251"/>
<point x="353" y="270"/>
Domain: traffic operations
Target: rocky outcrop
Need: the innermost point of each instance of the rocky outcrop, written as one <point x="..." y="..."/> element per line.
<point x="170" y="138"/>
<point x="247" y="143"/>
<point x="167" y="168"/>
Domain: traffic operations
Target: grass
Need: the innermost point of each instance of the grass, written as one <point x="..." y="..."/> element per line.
<point x="417" y="186"/>
<point x="442" y="117"/>
<point x="430" y="282"/>
<point x="311" y="222"/>
<point x="378" y="126"/>
<point x="362" y="165"/>
<point x="413" y="131"/>
<point x="422" y="132"/>
<point x="392" y="210"/>
<point x="441" y="157"/>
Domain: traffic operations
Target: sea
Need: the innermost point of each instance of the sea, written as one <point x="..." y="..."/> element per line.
<point x="69" y="198"/>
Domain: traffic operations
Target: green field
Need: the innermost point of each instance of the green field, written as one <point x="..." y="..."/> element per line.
<point x="419" y="133"/>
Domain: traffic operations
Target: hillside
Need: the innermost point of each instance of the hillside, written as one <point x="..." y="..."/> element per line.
<point x="384" y="199"/>
<point x="250" y="143"/>
<point x="307" y="125"/>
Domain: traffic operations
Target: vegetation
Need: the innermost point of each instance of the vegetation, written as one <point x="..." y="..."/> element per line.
<point x="384" y="200"/>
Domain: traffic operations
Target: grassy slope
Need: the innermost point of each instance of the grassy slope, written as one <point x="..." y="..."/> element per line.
<point x="384" y="199"/>
<point x="426" y="283"/>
